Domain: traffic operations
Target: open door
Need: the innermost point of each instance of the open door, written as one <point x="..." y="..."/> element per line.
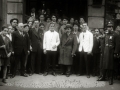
<point x="70" y="8"/>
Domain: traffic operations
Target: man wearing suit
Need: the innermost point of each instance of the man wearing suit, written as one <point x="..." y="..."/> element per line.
<point x="85" y="48"/>
<point x="20" y="47"/>
<point x="36" y="39"/>
<point x="33" y="13"/>
<point x="27" y="61"/>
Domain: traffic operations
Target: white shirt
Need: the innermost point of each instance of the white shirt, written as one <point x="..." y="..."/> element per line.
<point x="86" y="41"/>
<point x="51" y="39"/>
<point x="9" y="36"/>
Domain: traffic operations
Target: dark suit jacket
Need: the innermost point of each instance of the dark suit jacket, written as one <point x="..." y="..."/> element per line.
<point x="96" y="45"/>
<point x="15" y="28"/>
<point x="117" y="40"/>
<point x="36" y="39"/>
<point x="20" y="42"/>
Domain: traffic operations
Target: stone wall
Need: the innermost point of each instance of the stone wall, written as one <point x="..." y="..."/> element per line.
<point x="3" y="12"/>
<point x="96" y="15"/>
<point x="0" y="14"/>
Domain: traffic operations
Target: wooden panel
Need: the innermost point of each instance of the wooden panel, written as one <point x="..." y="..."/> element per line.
<point x="15" y="0"/>
<point x="9" y="17"/>
<point x="15" y="8"/>
<point x="96" y="22"/>
<point x="95" y="11"/>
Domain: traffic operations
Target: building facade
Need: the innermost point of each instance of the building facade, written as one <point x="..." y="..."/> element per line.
<point x="97" y="13"/>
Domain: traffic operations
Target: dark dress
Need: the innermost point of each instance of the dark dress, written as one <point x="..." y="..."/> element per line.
<point x="67" y="47"/>
<point x="5" y="61"/>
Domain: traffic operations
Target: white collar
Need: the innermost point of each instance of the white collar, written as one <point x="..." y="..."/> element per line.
<point x="20" y="32"/>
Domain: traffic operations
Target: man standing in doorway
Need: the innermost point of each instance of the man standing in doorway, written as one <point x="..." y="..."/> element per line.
<point x="54" y="20"/>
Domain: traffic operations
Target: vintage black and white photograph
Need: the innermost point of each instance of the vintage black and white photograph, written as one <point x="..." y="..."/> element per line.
<point x="59" y="44"/>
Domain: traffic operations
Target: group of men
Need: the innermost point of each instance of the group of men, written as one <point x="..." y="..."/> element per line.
<point x="38" y="42"/>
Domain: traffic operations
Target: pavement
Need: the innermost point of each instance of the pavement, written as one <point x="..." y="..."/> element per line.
<point x="50" y="82"/>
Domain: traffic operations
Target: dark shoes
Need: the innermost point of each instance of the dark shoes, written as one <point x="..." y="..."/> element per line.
<point x="45" y="74"/>
<point x="54" y="74"/>
<point x="88" y="76"/>
<point x="6" y="76"/>
<point x="79" y="74"/>
<point x="25" y="75"/>
<point x="30" y="74"/>
<point x="101" y="79"/>
<point x="94" y="74"/>
<point x="61" y="73"/>
<point x="110" y="81"/>
<point x="40" y="73"/>
<point x="4" y="81"/>
<point x="68" y="74"/>
<point x="12" y="76"/>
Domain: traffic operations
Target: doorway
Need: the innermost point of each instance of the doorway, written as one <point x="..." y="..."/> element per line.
<point x="69" y="8"/>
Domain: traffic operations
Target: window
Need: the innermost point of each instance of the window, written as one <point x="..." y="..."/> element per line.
<point x="15" y="10"/>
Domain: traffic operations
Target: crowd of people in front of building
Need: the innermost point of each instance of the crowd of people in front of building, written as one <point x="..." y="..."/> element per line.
<point x="38" y="46"/>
